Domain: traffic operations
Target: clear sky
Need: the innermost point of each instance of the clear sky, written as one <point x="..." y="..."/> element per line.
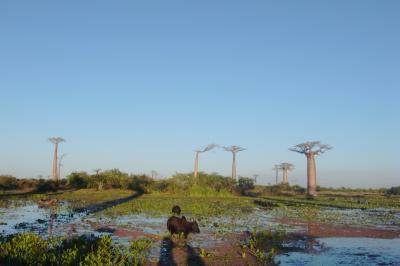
<point x="139" y="85"/>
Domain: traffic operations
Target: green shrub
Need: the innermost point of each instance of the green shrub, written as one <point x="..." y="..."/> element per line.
<point x="31" y="249"/>
<point x="77" y="180"/>
<point x="393" y="191"/>
<point x="8" y="182"/>
<point x="205" y="184"/>
<point x="245" y="184"/>
<point x="140" y="183"/>
<point x="46" y="186"/>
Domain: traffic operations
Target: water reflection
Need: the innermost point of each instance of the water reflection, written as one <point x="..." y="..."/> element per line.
<point x="341" y="251"/>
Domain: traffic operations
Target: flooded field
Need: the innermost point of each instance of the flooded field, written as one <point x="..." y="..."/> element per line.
<point x="354" y="236"/>
<point x="342" y="251"/>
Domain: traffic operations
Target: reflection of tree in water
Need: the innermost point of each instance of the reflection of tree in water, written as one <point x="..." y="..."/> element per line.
<point x="52" y="218"/>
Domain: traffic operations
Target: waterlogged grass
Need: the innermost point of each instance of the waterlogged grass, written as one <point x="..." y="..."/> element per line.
<point x="31" y="249"/>
<point x="313" y="210"/>
<point x="367" y="201"/>
<point x="161" y="204"/>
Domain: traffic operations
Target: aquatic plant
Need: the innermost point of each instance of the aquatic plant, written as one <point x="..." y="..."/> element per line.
<point x="265" y="244"/>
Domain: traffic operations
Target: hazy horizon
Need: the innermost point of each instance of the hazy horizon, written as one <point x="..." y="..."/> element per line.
<point x="140" y="86"/>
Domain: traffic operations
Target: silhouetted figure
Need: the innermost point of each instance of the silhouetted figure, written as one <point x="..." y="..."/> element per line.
<point x="193" y="258"/>
<point x="178" y="225"/>
<point x="166" y="257"/>
<point x="176" y="210"/>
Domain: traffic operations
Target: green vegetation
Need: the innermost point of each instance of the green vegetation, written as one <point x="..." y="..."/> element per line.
<point x="31" y="249"/>
<point x="338" y="201"/>
<point x="245" y="184"/>
<point x="264" y="245"/>
<point x="83" y="198"/>
<point x="393" y="191"/>
<point x="161" y="204"/>
<point x="8" y="182"/>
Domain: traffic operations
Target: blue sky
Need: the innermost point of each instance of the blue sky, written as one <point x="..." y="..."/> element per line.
<point x="139" y="85"/>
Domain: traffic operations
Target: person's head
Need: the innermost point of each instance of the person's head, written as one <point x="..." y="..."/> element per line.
<point x="176" y="210"/>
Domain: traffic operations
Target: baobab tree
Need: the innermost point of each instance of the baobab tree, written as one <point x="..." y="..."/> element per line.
<point x="153" y="174"/>
<point x="285" y="167"/>
<point x="276" y="168"/>
<point x="255" y="176"/>
<point x="60" y="158"/>
<point x="310" y="149"/>
<point x="196" y="159"/>
<point x="55" y="141"/>
<point x="234" y="149"/>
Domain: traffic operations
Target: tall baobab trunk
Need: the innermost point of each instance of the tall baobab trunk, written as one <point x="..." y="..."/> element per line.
<point x="55" y="172"/>
<point x="234" y="149"/>
<point x="59" y="169"/>
<point x="285" y="176"/>
<point x="311" y="175"/>
<point x="234" y="166"/>
<point x="196" y="164"/>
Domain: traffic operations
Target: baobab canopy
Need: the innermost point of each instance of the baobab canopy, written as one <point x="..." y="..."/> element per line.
<point x="207" y="148"/>
<point x="196" y="160"/>
<point x="311" y="147"/>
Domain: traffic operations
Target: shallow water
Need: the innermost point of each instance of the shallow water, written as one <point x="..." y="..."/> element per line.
<point x="54" y="221"/>
<point x="342" y="251"/>
<point x="61" y="221"/>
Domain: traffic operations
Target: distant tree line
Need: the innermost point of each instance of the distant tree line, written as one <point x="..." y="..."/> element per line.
<point x="183" y="183"/>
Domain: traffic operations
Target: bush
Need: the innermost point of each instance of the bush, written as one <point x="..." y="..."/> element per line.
<point x="77" y="180"/>
<point x="204" y="185"/>
<point x="8" y="182"/>
<point x="393" y="191"/>
<point x="160" y="185"/>
<point x="298" y="189"/>
<point x="31" y="249"/>
<point x="140" y="183"/>
<point x="46" y="186"/>
<point x="114" y="178"/>
<point x="216" y="182"/>
<point x="27" y="183"/>
<point x="245" y="184"/>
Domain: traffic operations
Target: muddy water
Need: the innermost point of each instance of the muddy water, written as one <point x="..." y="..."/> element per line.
<point x="342" y="251"/>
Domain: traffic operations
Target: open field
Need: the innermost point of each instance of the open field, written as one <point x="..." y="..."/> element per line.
<point x="246" y="230"/>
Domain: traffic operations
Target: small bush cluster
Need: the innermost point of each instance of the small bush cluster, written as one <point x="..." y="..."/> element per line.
<point x="109" y="179"/>
<point x="8" y="182"/>
<point x="283" y="189"/>
<point x="245" y="184"/>
<point x="203" y="185"/>
<point x="393" y="191"/>
<point x="31" y="249"/>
